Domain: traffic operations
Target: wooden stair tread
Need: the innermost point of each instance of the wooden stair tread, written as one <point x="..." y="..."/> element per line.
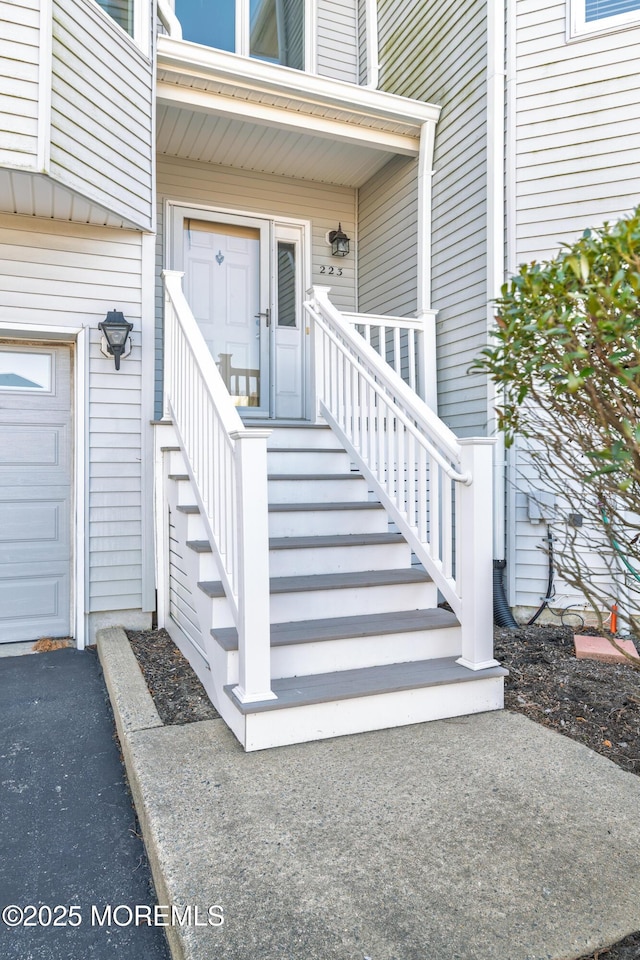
<point x="354" y="475"/>
<point x="329" y="581"/>
<point x="337" y="505"/>
<point x="339" y="628"/>
<point x="190" y="508"/>
<point x="335" y="540"/>
<point x="178" y="476"/>
<point x="199" y="546"/>
<point x="319" y="541"/>
<point x="364" y="682"/>
<point x="333" y="450"/>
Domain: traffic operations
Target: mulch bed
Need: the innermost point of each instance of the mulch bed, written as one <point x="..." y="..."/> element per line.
<point x="596" y="703"/>
<point x="177" y="693"/>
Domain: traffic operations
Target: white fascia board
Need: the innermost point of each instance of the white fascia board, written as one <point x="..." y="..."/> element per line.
<point x="171" y="94"/>
<point x="256" y="75"/>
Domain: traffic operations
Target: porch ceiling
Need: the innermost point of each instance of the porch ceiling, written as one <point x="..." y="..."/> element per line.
<point x="213" y="139"/>
<point x="225" y="109"/>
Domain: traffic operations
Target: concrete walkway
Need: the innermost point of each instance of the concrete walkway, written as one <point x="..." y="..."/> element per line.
<point x="487" y="838"/>
<point x="67" y="828"/>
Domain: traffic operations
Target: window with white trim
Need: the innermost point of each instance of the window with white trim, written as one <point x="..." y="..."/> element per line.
<point x="271" y="30"/>
<point x="598" y="16"/>
<point x="133" y="16"/>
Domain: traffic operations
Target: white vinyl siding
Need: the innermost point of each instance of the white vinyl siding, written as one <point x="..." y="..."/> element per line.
<point x="387" y="252"/>
<point x="446" y="64"/>
<point x="337" y="39"/>
<point x="101" y="112"/>
<point x="19" y="60"/>
<point x="215" y="187"/>
<point x="72" y="275"/>
<point x="575" y="165"/>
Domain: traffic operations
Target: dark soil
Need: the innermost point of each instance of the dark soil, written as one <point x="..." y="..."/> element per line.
<point x="596" y="703"/>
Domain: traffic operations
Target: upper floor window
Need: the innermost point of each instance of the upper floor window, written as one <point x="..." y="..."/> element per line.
<point x="598" y="16"/>
<point x="134" y="18"/>
<point x="272" y="30"/>
<point x="121" y="11"/>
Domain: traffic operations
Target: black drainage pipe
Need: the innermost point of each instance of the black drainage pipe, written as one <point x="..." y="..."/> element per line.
<point x="502" y="615"/>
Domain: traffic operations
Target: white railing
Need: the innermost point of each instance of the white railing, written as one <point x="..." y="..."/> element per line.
<point x="436" y="487"/>
<point x="227" y="465"/>
<point x="400" y="341"/>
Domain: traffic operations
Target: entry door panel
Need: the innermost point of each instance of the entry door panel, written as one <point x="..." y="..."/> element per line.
<point x="287" y="331"/>
<point x="35" y="492"/>
<point x="225" y="286"/>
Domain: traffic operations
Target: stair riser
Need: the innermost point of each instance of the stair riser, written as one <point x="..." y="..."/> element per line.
<point x="289" y="563"/>
<point x="306" y="659"/>
<point x="309" y="461"/>
<point x="317" y="490"/>
<point x="174" y="462"/>
<point x="324" y="439"/>
<point x="182" y="492"/>
<point x="195" y="529"/>
<point x="357" y="715"/>
<point x="309" y="523"/>
<point x="351" y="601"/>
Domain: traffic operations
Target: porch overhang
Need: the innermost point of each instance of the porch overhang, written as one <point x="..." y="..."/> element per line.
<point x="222" y="108"/>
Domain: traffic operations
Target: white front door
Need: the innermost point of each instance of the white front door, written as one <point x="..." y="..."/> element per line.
<point x="244" y="281"/>
<point x="226" y="281"/>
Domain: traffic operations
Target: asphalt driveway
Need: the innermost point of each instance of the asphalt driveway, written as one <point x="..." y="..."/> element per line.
<point x="68" y="831"/>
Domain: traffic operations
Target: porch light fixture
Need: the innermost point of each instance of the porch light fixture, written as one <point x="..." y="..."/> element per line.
<point x="115" y="333"/>
<point x="339" y="242"/>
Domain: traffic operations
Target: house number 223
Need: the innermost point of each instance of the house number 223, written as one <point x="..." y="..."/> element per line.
<point x="332" y="271"/>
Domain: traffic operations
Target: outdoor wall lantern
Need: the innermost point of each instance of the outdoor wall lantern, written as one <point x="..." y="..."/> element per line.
<point x="115" y="334"/>
<point x="339" y="242"/>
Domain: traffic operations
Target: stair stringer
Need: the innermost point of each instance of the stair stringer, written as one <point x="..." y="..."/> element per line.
<point x="213" y="667"/>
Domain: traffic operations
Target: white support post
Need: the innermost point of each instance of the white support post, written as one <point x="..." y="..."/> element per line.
<point x="427" y="369"/>
<point x="254" y="651"/>
<point x="474" y="552"/>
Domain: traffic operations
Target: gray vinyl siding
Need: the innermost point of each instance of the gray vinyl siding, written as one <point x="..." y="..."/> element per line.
<point x="337" y="39"/>
<point x="71" y="276"/>
<point x="19" y="59"/>
<point x="576" y="128"/>
<point x="446" y="65"/>
<point x="101" y="112"/>
<point x="387" y="252"/>
<point x="216" y="187"/>
<point x="575" y="165"/>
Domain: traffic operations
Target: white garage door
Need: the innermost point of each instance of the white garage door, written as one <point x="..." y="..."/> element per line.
<point x="35" y="491"/>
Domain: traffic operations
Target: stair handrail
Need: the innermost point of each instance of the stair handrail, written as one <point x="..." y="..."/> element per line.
<point x="227" y="465"/>
<point x="435" y="486"/>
